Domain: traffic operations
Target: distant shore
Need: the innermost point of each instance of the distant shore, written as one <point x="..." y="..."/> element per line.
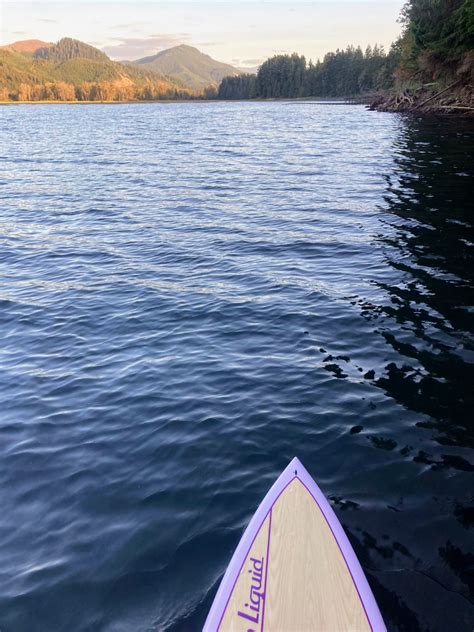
<point x="428" y="99"/>
<point x="322" y="100"/>
<point x="111" y="102"/>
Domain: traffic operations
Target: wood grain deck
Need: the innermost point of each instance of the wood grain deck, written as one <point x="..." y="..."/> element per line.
<point x="294" y="577"/>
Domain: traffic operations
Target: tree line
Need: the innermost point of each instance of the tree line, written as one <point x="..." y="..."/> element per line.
<point x="344" y="73"/>
<point x="92" y="91"/>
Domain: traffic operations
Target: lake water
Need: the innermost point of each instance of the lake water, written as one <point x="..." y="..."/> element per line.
<point x="191" y="295"/>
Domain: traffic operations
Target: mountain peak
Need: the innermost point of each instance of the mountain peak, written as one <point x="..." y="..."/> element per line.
<point x="27" y="46"/>
<point x="69" y="48"/>
<point x="189" y="65"/>
<point x="184" y="47"/>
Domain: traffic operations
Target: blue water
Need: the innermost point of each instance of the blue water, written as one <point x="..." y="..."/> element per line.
<point x="191" y="295"/>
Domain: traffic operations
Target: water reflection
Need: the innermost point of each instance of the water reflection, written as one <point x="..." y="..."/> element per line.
<point x="430" y="196"/>
<point x="461" y="563"/>
<point x="425" y="316"/>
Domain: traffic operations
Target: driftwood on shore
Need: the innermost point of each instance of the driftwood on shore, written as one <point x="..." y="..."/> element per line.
<point x="458" y="97"/>
<point x="455" y="107"/>
<point x="438" y="94"/>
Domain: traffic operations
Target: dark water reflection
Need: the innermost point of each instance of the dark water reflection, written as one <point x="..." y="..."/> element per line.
<point x="191" y="295"/>
<point x="432" y="195"/>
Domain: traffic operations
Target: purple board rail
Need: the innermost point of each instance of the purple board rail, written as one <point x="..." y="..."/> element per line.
<point x="255" y="549"/>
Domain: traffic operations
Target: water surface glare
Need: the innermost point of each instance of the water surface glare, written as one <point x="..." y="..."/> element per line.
<point x="191" y="295"/>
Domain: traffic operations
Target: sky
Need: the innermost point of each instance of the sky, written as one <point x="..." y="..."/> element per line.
<point x="243" y="33"/>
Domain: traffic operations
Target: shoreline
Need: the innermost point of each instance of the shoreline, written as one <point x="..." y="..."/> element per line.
<point x="454" y="100"/>
<point x="321" y="100"/>
<point x="423" y="100"/>
<point x="111" y="102"/>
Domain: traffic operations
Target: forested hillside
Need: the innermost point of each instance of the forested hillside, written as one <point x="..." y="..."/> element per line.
<point x="189" y="66"/>
<point x="68" y="48"/>
<point x="436" y="68"/>
<point x="438" y="38"/>
<point x="72" y="70"/>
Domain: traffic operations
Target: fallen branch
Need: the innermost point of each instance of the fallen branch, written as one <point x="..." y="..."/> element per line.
<point x="438" y="94"/>
<point x="455" y="107"/>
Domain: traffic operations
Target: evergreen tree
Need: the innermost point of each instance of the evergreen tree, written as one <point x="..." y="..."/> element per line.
<point x="438" y="36"/>
<point x="341" y="74"/>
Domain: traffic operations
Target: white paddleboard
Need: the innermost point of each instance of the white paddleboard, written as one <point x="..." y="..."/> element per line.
<point x="294" y="569"/>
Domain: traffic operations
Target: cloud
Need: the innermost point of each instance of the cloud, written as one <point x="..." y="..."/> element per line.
<point x="248" y="65"/>
<point x="209" y="43"/>
<point x="47" y="20"/>
<point x="126" y="26"/>
<point x="130" y="27"/>
<point x="136" y="47"/>
<point x="252" y="62"/>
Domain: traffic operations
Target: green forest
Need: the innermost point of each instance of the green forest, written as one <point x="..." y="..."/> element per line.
<point x="436" y="44"/>
<point x="343" y="73"/>
<point x="437" y="38"/>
